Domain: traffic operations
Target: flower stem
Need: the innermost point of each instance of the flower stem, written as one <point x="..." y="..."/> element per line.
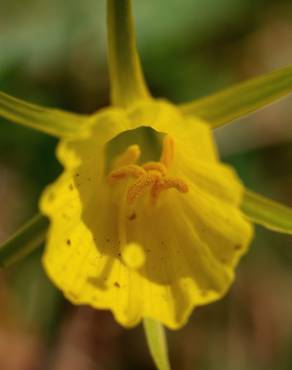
<point x="126" y="76"/>
<point x="24" y="241"/>
<point x="156" y="340"/>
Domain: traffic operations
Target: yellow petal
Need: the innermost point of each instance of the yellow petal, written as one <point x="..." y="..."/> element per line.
<point x="176" y="255"/>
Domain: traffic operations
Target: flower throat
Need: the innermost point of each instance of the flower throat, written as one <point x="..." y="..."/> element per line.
<point x="151" y="175"/>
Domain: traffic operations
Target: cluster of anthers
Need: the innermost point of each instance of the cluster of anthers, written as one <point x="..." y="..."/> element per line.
<point x="150" y="175"/>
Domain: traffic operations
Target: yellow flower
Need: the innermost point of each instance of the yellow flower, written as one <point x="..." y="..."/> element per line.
<point x="145" y="220"/>
<point x="144" y="232"/>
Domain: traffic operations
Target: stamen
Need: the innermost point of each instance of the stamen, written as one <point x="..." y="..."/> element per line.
<point x="168" y="183"/>
<point x="167" y="155"/>
<point x="130" y="156"/>
<point x="151" y="175"/>
<point x="140" y="185"/>
<point x="132" y="170"/>
<point x="157" y="166"/>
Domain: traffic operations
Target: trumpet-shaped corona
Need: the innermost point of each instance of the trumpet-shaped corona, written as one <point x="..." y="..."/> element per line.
<point x="140" y="233"/>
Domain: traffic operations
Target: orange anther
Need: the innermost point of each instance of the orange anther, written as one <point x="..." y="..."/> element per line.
<point x="167" y="154"/>
<point x="168" y="183"/>
<point x="140" y="185"/>
<point x="130" y="156"/>
<point x="157" y="166"/>
<point x="132" y="170"/>
<point x="151" y="175"/>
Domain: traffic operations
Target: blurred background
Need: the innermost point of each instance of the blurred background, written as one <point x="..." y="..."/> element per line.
<point x="53" y="52"/>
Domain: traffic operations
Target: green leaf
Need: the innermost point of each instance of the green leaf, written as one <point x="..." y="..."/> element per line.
<point x="24" y="241"/>
<point x="244" y="98"/>
<point x="267" y="213"/>
<point x="156" y="341"/>
<point x="50" y="121"/>
<point x="126" y="76"/>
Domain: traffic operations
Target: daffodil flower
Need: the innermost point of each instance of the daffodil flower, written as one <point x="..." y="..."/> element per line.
<point x="142" y="234"/>
<point x="145" y="220"/>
